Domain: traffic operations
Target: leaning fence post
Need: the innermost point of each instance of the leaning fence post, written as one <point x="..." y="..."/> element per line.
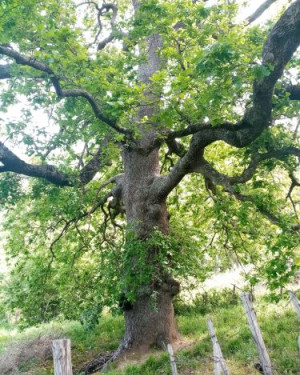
<point x="219" y="362"/>
<point x="295" y="303"/>
<point x="172" y="359"/>
<point x="62" y="357"/>
<point x="257" y="336"/>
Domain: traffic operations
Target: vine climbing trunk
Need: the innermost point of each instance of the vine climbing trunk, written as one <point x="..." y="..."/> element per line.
<point x="149" y="319"/>
<point x="148" y="325"/>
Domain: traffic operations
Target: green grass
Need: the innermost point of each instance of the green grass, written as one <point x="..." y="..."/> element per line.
<point x="278" y="322"/>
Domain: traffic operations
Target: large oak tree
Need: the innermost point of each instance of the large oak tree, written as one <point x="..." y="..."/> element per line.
<point x="141" y="96"/>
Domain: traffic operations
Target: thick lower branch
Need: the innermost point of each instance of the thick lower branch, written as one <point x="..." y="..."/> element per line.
<point x="12" y="163"/>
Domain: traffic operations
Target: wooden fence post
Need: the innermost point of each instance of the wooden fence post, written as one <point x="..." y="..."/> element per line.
<point x="219" y="362"/>
<point x="295" y="303"/>
<point x="257" y="336"/>
<point x="62" y="357"/>
<point x="172" y="359"/>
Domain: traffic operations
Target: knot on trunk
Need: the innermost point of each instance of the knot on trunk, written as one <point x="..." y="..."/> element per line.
<point x="155" y="211"/>
<point x="170" y="286"/>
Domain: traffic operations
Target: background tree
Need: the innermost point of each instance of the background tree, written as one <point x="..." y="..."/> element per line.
<point x="150" y="104"/>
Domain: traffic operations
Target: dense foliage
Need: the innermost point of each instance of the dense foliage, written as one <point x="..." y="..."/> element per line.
<point x="68" y="247"/>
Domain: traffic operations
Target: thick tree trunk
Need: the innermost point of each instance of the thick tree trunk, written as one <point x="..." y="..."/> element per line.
<point x="150" y="321"/>
<point x="150" y="318"/>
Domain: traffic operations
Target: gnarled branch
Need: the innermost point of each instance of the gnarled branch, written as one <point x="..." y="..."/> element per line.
<point x="104" y="9"/>
<point x="258" y="158"/>
<point x="278" y="49"/>
<point x="228" y="183"/>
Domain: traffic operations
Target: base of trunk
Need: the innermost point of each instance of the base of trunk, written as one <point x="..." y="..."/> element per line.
<point x="150" y="322"/>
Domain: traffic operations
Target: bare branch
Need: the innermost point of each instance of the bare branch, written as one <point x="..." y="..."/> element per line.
<point x="103" y="10"/>
<point x="264" y="211"/>
<point x="294" y="183"/>
<point x="88" y="172"/>
<point x="227" y="182"/>
<point x="260" y="10"/>
<point x="62" y="93"/>
<point x="76" y="219"/>
<point x="175" y="147"/>
<point x="105" y="42"/>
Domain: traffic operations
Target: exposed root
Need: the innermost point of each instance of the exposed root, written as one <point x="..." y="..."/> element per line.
<point x="96" y="364"/>
<point x="102" y="362"/>
<point x="124" y="351"/>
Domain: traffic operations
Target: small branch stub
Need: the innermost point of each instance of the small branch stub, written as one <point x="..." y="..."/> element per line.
<point x="62" y="357"/>
<point x="219" y="362"/>
<point x="295" y="303"/>
<point x="172" y="359"/>
<point x="257" y="336"/>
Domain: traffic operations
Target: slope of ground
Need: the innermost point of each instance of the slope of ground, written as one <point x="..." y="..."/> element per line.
<point x="278" y="322"/>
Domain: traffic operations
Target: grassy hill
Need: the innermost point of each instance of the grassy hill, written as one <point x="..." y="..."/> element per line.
<point x="278" y="322"/>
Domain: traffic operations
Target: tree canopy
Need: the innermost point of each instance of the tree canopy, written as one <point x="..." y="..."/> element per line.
<point x="155" y="111"/>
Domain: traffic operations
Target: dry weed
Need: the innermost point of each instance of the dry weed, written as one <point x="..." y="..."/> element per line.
<point x="20" y="354"/>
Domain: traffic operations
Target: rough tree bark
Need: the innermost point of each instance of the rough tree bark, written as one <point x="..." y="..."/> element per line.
<point x="147" y="324"/>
